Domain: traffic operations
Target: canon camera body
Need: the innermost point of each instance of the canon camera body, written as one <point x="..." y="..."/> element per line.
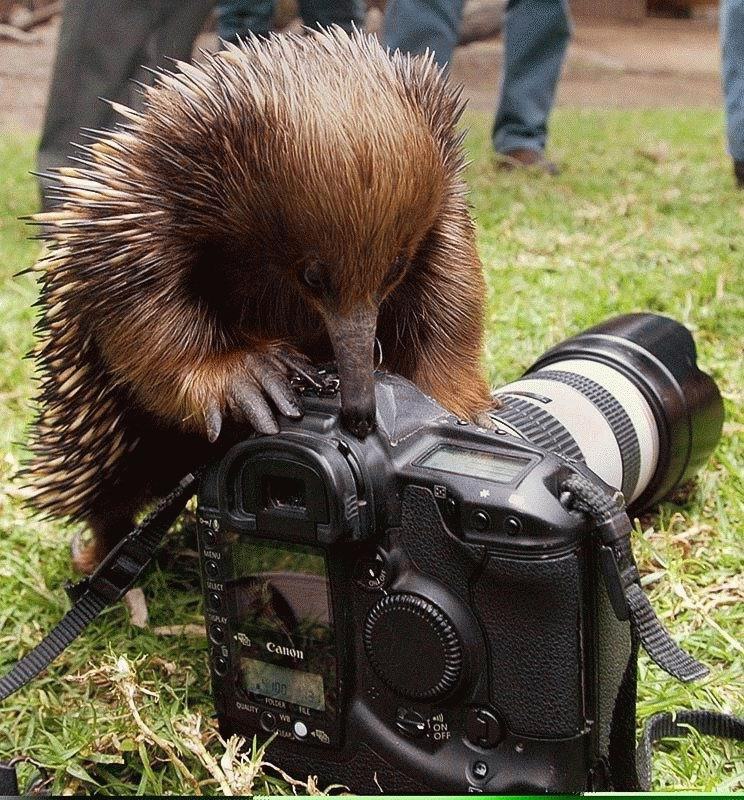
<point x="420" y="611"/>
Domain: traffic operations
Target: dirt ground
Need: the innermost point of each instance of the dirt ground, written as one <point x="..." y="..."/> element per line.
<point x="660" y="62"/>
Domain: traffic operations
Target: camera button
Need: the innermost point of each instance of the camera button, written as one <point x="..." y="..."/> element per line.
<point x="482" y="727"/>
<point x="214" y="601"/>
<point x="268" y="721"/>
<point x="512" y="525"/>
<point x="299" y="729"/>
<point x="480" y="520"/>
<point x="217" y="633"/>
<point x="212" y="568"/>
<point x="221" y="665"/>
<point x="480" y="769"/>
<point x="209" y="537"/>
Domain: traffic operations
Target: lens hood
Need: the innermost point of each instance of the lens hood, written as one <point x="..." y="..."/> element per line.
<point x="658" y="355"/>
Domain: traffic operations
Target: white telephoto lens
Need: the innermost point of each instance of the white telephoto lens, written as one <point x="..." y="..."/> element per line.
<point x="587" y="411"/>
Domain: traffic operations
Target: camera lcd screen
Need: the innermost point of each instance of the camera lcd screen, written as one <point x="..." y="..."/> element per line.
<point x="280" y="599"/>
<point x="475" y="463"/>
<point x="282" y="683"/>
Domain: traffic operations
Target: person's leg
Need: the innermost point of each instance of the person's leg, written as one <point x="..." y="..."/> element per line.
<point x="239" y="18"/>
<point x="732" y="53"/>
<point x="175" y="30"/>
<point x="415" y="25"/>
<point x="97" y="52"/>
<point x="536" y="35"/>
<point x="349" y="14"/>
<point x="102" y="44"/>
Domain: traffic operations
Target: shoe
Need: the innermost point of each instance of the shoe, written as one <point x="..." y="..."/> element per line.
<point x="527" y="158"/>
<point x="739" y="173"/>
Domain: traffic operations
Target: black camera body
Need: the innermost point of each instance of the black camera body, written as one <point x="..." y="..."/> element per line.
<point x="423" y="610"/>
<point x="414" y="612"/>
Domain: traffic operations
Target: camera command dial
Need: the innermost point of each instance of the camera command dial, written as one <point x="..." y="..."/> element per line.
<point x="413" y="647"/>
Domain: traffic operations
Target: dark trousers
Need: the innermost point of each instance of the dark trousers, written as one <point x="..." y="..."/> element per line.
<point x="102" y="44"/>
<point x="239" y="18"/>
<point x="536" y="36"/>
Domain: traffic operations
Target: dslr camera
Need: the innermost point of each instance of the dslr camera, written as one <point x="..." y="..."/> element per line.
<point x="420" y="611"/>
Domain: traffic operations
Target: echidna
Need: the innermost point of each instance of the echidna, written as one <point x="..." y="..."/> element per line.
<point x="280" y="202"/>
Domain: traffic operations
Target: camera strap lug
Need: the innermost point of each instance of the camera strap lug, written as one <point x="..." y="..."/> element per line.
<point x="616" y="560"/>
<point x="119" y="571"/>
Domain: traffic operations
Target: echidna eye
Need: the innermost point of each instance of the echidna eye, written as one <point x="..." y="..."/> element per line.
<point x="312" y="277"/>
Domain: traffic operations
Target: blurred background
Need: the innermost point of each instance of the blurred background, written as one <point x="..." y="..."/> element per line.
<point x="624" y="54"/>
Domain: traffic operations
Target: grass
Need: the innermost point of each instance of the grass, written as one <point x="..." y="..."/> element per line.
<point x="644" y="216"/>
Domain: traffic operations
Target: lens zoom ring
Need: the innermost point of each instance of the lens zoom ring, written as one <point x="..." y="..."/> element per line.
<point x="616" y="416"/>
<point x="538" y="426"/>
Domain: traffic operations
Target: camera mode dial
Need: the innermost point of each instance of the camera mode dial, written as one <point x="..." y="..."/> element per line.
<point x="413" y="647"/>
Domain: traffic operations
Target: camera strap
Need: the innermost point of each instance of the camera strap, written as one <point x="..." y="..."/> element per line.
<point x="110" y="581"/>
<point x="630" y="766"/>
<point x="623" y="580"/>
<point x="678" y="724"/>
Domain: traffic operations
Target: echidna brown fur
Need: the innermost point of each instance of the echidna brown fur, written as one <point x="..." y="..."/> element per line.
<point x="177" y="241"/>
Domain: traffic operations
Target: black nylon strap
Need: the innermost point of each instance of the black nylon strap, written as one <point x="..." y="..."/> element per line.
<point x="113" y="578"/>
<point x="8" y="781"/>
<point x="629" y="770"/>
<point x="657" y="642"/>
<point x="677" y="724"/>
<point x="85" y="610"/>
<point x="623" y="580"/>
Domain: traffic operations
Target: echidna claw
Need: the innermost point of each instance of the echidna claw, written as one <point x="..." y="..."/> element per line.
<point x="213" y="422"/>
<point x="136" y="604"/>
<point x="248" y="404"/>
<point x="483" y="420"/>
<point x="259" y="389"/>
<point x="300" y="365"/>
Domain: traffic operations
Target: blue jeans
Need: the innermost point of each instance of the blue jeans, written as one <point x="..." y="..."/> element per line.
<point x="732" y="69"/>
<point x="241" y="17"/>
<point x="536" y="36"/>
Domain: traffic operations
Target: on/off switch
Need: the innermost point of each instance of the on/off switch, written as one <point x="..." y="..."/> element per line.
<point x="410" y="722"/>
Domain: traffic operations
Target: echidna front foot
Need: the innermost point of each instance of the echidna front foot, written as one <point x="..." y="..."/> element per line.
<point x="257" y="384"/>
